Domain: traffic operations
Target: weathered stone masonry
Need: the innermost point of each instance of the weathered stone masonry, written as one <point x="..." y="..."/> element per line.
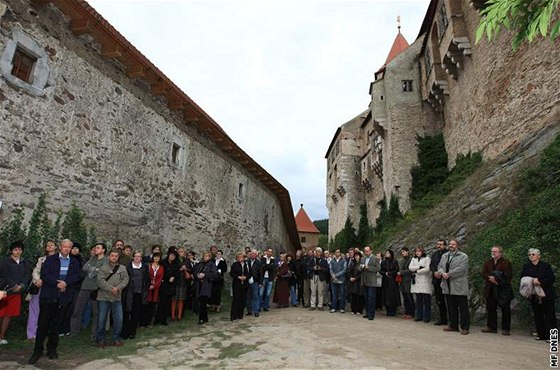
<point x="139" y="169"/>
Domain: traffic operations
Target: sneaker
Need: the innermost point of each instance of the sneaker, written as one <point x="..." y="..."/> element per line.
<point x="342" y="311"/>
<point x="3" y="341"/>
<point x="332" y="311"/>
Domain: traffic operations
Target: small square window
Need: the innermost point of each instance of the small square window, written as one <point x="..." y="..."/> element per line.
<point x="22" y="65"/>
<point x="175" y="150"/>
<point x="407" y="85"/>
<point x="303" y="239"/>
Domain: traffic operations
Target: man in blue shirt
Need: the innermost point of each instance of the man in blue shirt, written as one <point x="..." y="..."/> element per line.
<point x="60" y="274"/>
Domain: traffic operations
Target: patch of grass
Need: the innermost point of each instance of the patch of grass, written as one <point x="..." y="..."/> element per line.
<point x="76" y="350"/>
<point x="235" y="350"/>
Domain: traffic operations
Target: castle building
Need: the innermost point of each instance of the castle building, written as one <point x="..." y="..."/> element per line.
<point x="483" y="98"/>
<point x="307" y="231"/>
<point x="85" y="117"/>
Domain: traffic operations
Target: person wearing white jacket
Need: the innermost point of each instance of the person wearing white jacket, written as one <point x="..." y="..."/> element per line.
<point x="421" y="284"/>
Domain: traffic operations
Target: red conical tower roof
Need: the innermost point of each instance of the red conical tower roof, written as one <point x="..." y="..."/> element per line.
<point x="304" y="223"/>
<point x="399" y="45"/>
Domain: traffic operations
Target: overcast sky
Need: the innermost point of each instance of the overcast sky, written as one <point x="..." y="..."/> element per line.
<point x="278" y="76"/>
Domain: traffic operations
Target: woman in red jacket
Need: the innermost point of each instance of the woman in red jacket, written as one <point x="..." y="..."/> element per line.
<point x="156" y="276"/>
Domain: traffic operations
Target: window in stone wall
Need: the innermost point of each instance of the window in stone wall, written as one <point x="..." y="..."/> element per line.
<point x="175" y="150"/>
<point x="22" y="65"/>
<point x="240" y="191"/>
<point x="303" y="239"/>
<point x="406" y="85"/>
<point x="381" y="97"/>
<point x="442" y="21"/>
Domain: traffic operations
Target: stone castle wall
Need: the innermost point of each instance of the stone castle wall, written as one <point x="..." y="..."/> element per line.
<point x="407" y="118"/>
<point x="344" y="172"/>
<point x="97" y="137"/>
<point x="500" y="96"/>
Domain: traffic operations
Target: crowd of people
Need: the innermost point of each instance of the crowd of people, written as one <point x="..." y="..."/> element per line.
<point x="122" y="290"/>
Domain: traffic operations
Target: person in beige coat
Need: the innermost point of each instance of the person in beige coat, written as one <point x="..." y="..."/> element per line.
<point x="454" y="270"/>
<point x="421" y="284"/>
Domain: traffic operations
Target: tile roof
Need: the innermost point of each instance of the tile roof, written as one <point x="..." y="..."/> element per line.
<point x="304" y="223"/>
<point x="399" y="45"/>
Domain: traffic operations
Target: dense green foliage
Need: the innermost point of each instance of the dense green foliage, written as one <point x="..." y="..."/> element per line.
<point x="40" y="229"/>
<point x="535" y="224"/>
<point x="432" y="166"/>
<point x="322" y="225"/>
<point x="431" y="183"/>
<point x="528" y="18"/>
<point x="465" y="165"/>
<point x="346" y="238"/>
<point x="364" y="230"/>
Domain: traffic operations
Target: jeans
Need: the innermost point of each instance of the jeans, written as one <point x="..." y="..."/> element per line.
<point x="255" y="298"/>
<point x="338" y="296"/>
<point x="424" y="306"/>
<point x="408" y="299"/>
<point x="370" y="292"/>
<point x="116" y="314"/>
<point x="264" y="293"/>
<point x="293" y="295"/>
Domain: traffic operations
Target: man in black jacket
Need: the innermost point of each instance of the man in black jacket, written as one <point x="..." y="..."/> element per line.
<point x="253" y="299"/>
<point x="441" y="249"/>
<point x="60" y="274"/>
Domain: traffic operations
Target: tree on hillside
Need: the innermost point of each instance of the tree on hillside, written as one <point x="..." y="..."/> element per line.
<point x="322" y="225"/>
<point x="346" y="238"/>
<point x="364" y="230"/>
<point x="528" y="18"/>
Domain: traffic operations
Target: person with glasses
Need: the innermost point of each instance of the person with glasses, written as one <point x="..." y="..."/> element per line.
<point x="453" y="270"/>
<point x="544" y="311"/>
<point x="497" y="275"/>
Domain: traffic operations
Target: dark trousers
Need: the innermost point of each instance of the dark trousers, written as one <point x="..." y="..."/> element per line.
<point x="300" y="291"/>
<point x="50" y="316"/>
<point x="370" y="293"/>
<point x="440" y="301"/>
<point x="408" y="300"/>
<point x="378" y="299"/>
<point x="133" y="318"/>
<point x="356" y="302"/>
<point x="424" y="306"/>
<point x="163" y="309"/>
<point x="238" y="302"/>
<point x="492" y="311"/>
<point x="544" y="314"/>
<point x="458" y="305"/>
<point x="203" y="308"/>
<point x="149" y="313"/>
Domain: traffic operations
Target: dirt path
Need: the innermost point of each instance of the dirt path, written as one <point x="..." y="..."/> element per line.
<point x="298" y="338"/>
